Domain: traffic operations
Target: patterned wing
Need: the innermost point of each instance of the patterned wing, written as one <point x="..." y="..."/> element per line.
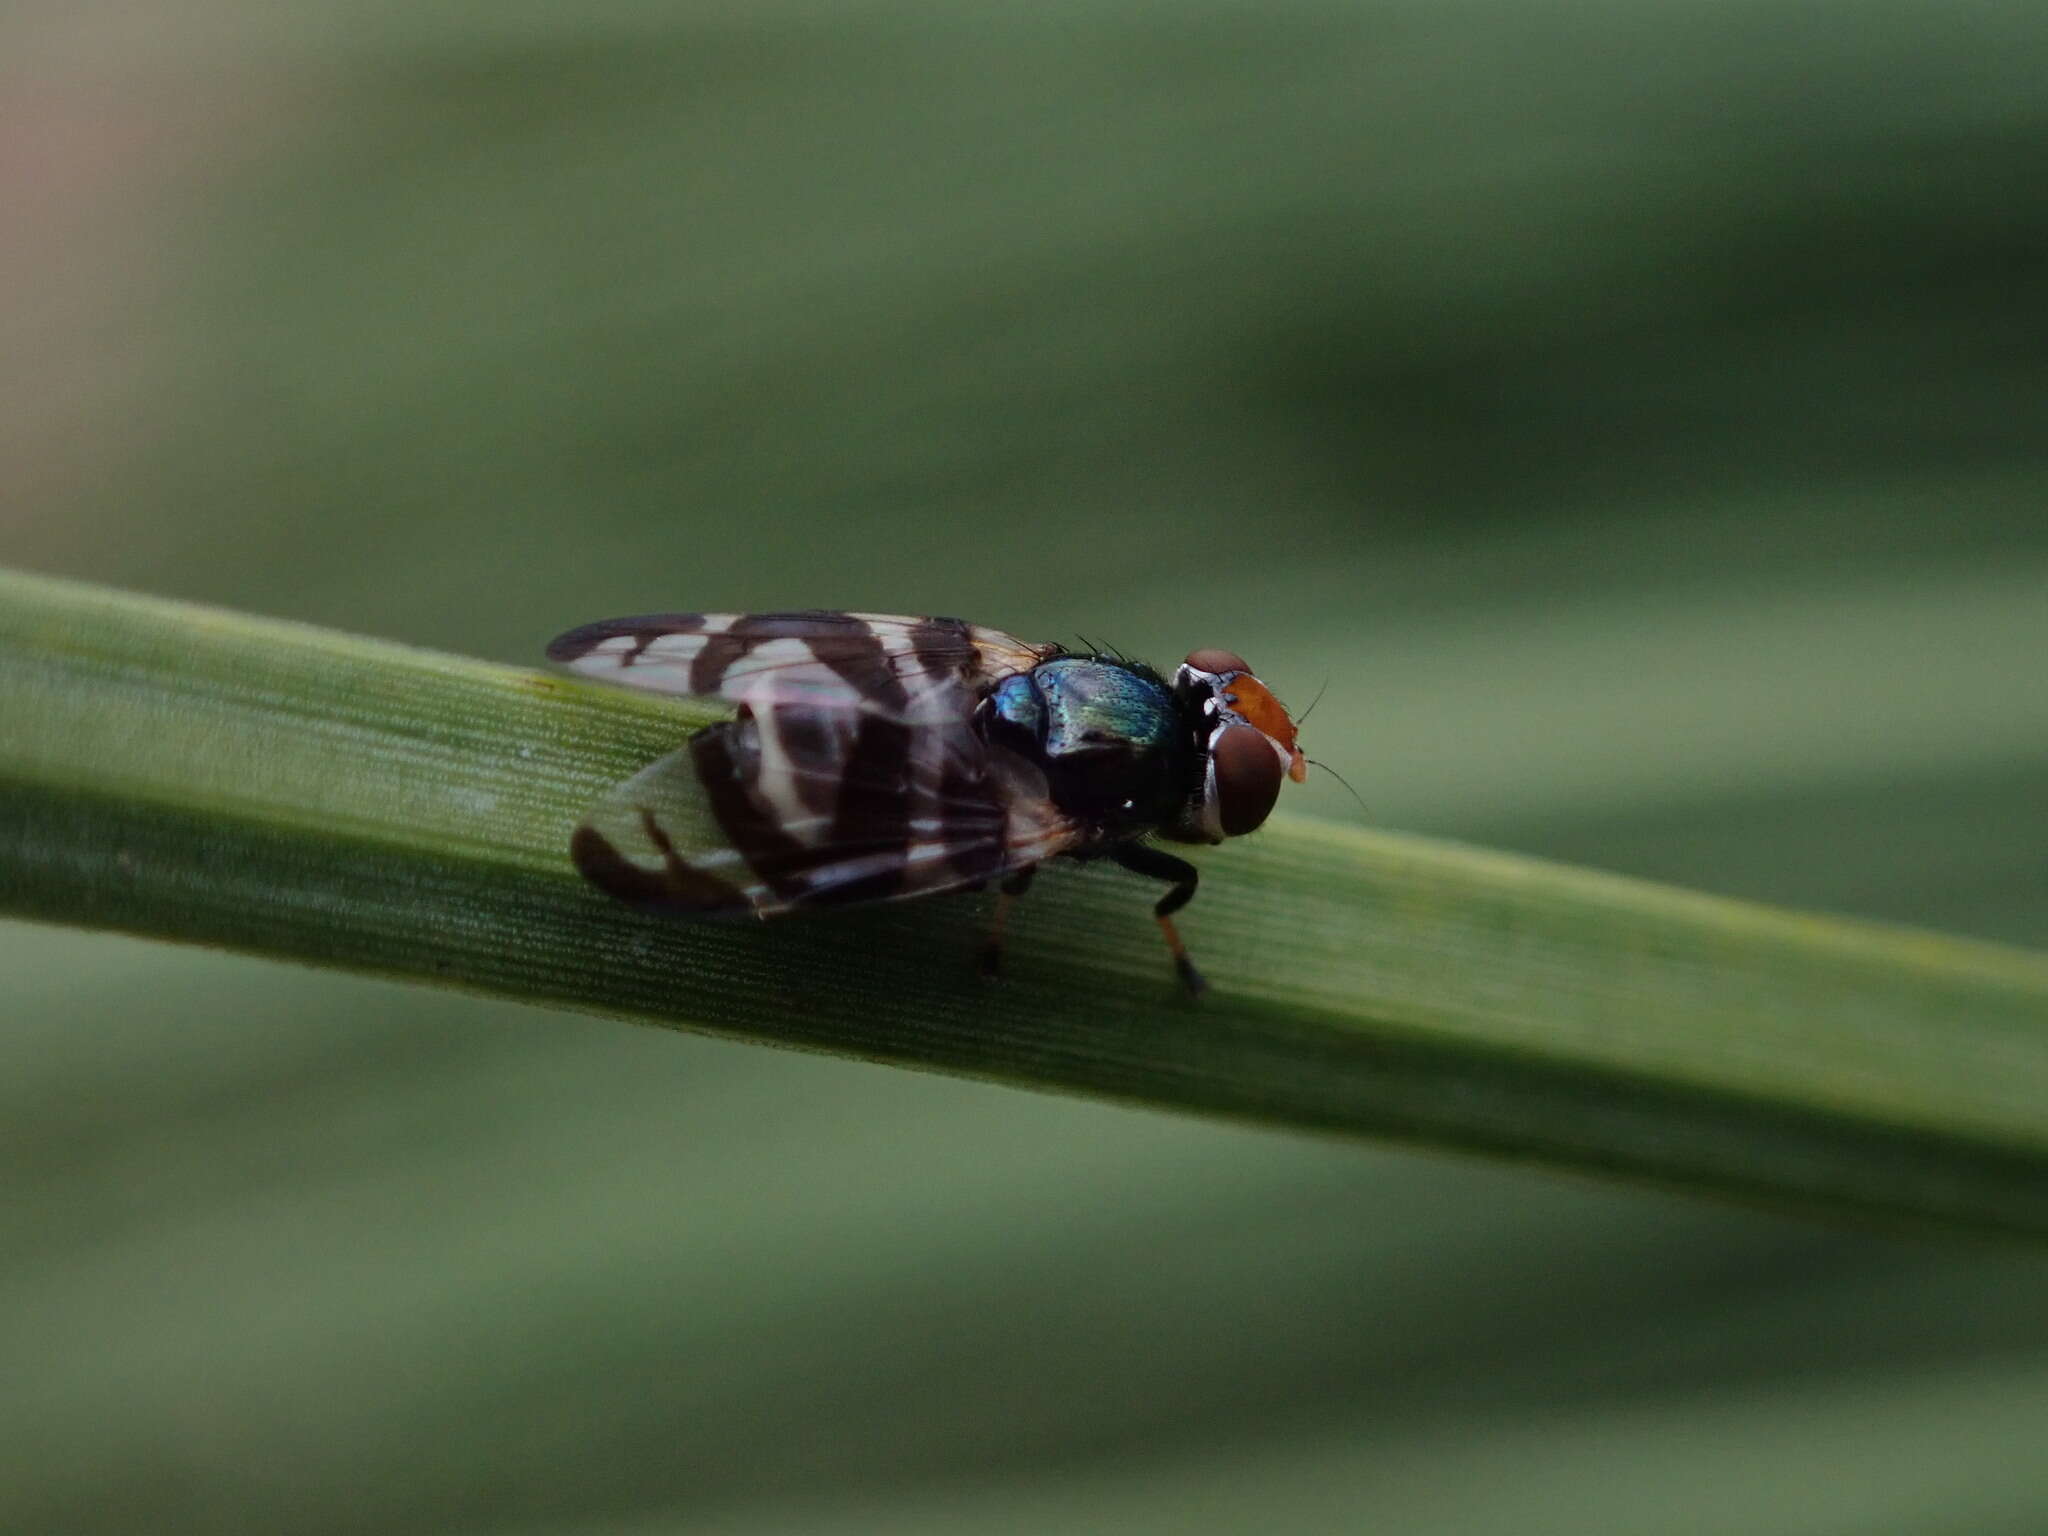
<point x="851" y="771"/>
<point x="881" y="663"/>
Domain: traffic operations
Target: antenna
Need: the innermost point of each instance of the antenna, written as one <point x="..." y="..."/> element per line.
<point x="1333" y="773"/>
<point x="1312" y="703"/>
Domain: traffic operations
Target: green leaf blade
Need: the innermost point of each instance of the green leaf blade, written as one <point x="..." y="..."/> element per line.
<point x="287" y="791"/>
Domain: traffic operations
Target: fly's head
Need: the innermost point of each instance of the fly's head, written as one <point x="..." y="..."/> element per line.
<point x="1247" y="747"/>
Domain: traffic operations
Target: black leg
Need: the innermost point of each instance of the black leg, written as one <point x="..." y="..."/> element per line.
<point x="1143" y="859"/>
<point x="1007" y="893"/>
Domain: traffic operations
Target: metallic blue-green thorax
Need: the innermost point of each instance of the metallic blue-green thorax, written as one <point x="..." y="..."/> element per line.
<point x="1077" y="705"/>
<point x="1108" y="735"/>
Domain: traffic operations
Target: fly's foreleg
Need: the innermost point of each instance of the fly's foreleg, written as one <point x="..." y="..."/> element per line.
<point x="1143" y="859"/>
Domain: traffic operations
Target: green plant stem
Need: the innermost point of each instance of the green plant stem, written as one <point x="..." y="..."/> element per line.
<point x="204" y="776"/>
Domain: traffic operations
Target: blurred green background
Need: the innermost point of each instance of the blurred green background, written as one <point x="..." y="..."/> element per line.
<point x="1634" y="411"/>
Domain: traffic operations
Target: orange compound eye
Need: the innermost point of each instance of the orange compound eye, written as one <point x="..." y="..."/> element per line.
<point x="1248" y="773"/>
<point x="1218" y="662"/>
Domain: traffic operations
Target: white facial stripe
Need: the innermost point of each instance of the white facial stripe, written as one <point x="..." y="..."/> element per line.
<point x="1211" y="819"/>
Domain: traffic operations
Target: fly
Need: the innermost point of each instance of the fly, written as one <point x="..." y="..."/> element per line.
<point x="873" y="757"/>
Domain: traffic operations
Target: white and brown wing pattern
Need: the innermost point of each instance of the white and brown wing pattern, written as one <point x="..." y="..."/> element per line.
<point x="883" y="660"/>
<point x="850" y="772"/>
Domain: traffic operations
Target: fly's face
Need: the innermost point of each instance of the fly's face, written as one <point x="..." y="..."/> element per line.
<point x="1246" y="743"/>
<point x="874" y="757"/>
